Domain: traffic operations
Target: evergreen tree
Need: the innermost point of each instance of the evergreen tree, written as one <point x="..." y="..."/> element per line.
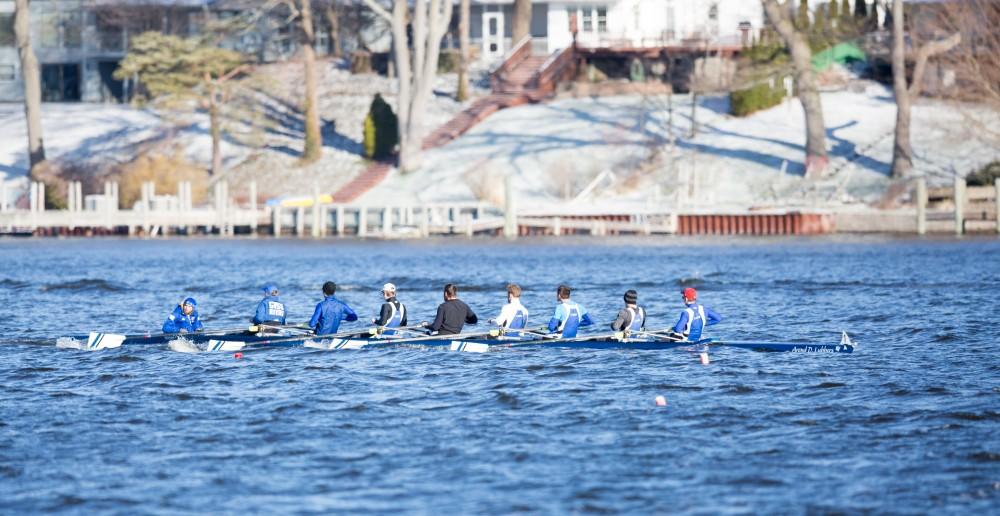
<point x="871" y="24"/>
<point x="834" y="10"/>
<point x="887" y="24"/>
<point x="860" y="10"/>
<point x="802" y="17"/>
<point x="821" y="23"/>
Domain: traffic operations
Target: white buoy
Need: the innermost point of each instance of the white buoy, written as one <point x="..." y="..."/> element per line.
<point x="704" y="357"/>
<point x="661" y="401"/>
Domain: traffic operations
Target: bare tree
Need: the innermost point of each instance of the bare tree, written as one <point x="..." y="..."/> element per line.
<point x="462" y="93"/>
<point x="805" y="81"/>
<point x="331" y="10"/>
<point x="313" y="146"/>
<point x="416" y="64"/>
<point x="32" y="84"/>
<point x="976" y="62"/>
<point x="522" y="21"/>
<point x="902" y="150"/>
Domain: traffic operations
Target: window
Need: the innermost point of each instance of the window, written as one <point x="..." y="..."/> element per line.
<point x="583" y="18"/>
<point x="6" y="73"/>
<point x="602" y="19"/>
<point x="7" y="30"/>
<point x="588" y="20"/>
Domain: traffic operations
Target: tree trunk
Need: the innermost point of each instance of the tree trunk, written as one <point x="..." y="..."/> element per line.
<point x="902" y="152"/>
<point x="462" y="93"/>
<point x="805" y="80"/>
<point x="32" y="84"/>
<point x="522" y="21"/>
<point x="313" y="147"/>
<point x="416" y="70"/>
<point x="333" y="20"/>
<point x="216" y="131"/>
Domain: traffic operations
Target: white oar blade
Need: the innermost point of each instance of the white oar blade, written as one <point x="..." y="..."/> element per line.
<point x="469" y="347"/>
<point x="97" y="341"/>
<point x="225" y="345"/>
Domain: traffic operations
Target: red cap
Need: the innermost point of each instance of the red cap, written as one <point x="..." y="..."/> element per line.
<point x="690" y="294"/>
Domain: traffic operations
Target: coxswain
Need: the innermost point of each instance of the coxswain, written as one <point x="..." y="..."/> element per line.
<point x="330" y="311"/>
<point x="694" y="318"/>
<point x="270" y="309"/>
<point x="452" y="315"/>
<point x="569" y="316"/>
<point x="184" y="318"/>
<point x="632" y="317"/>
<point x="393" y="313"/>
<point x="513" y="315"/>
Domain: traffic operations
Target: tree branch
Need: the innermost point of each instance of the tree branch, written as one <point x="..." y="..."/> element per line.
<point x="926" y="52"/>
<point x="378" y="9"/>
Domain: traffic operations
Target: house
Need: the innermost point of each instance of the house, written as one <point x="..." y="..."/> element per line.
<point x="616" y="24"/>
<point x="79" y="43"/>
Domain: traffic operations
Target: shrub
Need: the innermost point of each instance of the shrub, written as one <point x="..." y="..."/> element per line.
<point x="755" y="98"/>
<point x="361" y="62"/>
<point x="449" y="61"/>
<point x="165" y="171"/>
<point x="381" y="130"/>
<point x="984" y="176"/>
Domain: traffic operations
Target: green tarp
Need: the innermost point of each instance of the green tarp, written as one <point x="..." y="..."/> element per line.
<point x="842" y="53"/>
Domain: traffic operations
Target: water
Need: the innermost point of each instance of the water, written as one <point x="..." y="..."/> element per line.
<point x="909" y="423"/>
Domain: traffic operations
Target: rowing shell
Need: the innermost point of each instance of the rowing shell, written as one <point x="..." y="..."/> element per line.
<point x="481" y="345"/>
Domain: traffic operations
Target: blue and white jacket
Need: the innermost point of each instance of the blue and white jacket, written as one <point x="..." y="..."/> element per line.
<point x="693" y="320"/>
<point x="270" y="310"/>
<point x="178" y="322"/>
<point x="568" y="318"/>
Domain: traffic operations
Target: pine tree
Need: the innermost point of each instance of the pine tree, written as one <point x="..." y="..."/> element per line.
<point x="802" y="17"/>
<point x="821" y="26"/>
<point x="871" y="24"/>
<point x="860" y="10"/>
<point x="834" y="10"/>
<point x="887" y="24"/>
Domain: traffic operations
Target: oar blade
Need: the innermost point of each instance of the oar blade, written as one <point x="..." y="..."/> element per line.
<point x="96" y="341"/>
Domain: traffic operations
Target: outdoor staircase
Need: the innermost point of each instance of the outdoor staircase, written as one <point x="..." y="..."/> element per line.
<point x="523" y="77"/>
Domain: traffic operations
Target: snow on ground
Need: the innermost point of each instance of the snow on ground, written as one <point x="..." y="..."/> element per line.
<point x="554" y="150"/>
<point x="263" y="139"/>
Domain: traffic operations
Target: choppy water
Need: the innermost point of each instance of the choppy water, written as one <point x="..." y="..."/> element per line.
<point x="909" y="423"/>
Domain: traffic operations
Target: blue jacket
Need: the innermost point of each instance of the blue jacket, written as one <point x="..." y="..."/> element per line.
<point x="328" y="314"/>
<point x="178" y="321"/>
<point x="568" y="318"/>
<point x="270" y="310"/>
<point x="693" y="320"/>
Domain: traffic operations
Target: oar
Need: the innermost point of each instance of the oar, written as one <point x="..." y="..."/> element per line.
<point x="226" y="345"/>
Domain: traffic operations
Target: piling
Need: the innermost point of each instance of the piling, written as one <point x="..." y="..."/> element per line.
<point x="425" y="222"/>
<point x="276" y="220"/>
<point x="315" y="213"/>
<point x="253" y="207"/>
<point x="959" y="205"/>
<point x="557" y="226"/>
<point x="996" y="201"/>
<point x="510" y="209"/>
<point x="340" y="221"/>
<point x="386" y="222"/>
<point x="362" y="222"/>
<point x="921" y="205"/>
<point x="300" y="221"/>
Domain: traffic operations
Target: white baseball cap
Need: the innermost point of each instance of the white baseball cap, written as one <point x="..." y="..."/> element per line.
<point x="388" y="287"/>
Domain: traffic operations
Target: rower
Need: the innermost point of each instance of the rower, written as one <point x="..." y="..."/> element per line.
<point x="330" y="311"/>
<point x="452" y="315"/>
<point x="393" y="313"/>
<point x="270" y="309"/>
<point x="568" y="316"/>
<point x="694" y="318"/>
<point x="632" y="317"/>
<point x="184" y="318"/>
<point x="513" y="315"/>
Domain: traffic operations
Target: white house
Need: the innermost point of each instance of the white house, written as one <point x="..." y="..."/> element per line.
<point x="617" y="23"/>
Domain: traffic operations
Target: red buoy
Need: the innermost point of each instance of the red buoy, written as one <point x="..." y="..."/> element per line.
<point x="238" y="355"/>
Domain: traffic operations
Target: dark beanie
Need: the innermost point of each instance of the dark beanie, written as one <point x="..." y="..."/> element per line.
<point x="631" y="297"/>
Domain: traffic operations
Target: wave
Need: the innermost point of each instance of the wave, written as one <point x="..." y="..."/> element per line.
<point x="87" y="284"/>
